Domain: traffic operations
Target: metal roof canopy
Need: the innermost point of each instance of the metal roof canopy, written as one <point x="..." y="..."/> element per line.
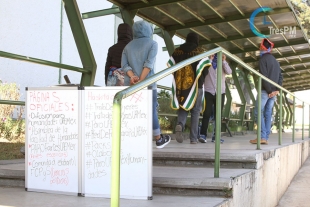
<point x="226" y="24"/>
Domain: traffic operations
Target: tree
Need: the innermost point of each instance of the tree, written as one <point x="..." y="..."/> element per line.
<point x="302" y="9"/>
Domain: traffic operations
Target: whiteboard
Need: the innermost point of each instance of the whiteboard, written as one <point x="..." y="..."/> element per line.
<point x="52" y="139"/>
<point x="136" y="143"/>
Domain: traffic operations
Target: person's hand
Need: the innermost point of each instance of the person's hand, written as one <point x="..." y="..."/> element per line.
<point x="274" y="93"/>
<point x="134" y="79"/>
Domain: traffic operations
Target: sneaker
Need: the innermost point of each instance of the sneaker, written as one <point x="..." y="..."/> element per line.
<point x="163" y="141"/>
<point x="202" y="138"/>
<point x="213" y="140"/>
<point x="178" y="132"/>
<point x="193" y="142"/>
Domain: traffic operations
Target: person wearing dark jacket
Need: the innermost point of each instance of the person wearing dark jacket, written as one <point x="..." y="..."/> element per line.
<point x="187" y="92"/>
<point x="124" y="32"/>
<point x="270" y="68"/>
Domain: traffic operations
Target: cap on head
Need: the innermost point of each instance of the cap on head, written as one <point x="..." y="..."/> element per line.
<point x="266" y="45"/>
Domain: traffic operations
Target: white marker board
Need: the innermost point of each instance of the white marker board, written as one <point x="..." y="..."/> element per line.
<point x="52" y="139"/>
<point x="136" y="143"/>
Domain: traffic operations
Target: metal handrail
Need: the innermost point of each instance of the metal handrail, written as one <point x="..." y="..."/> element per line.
<point x="116" y="115"/>
<point x="7" y="102"/>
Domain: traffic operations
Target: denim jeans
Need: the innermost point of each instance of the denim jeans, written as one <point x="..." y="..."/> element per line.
<point x="156" y="127"/>
<point x="266" y="114"/>
<point x="195" y="112"/>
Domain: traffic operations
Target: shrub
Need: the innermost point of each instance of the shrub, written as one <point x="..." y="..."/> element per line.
<point x="12" y="125"/>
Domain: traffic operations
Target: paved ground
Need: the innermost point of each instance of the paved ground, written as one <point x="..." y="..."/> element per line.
<point x="298" y="192"/>
<point x="296" y="195"/>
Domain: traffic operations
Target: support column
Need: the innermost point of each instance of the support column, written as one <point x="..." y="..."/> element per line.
<point x="245" y="75"/>
<point x="81" y="41"/>
<point x="128" y="16"/>
<point x="241" y="94"/>
<point x="167" y="36"/>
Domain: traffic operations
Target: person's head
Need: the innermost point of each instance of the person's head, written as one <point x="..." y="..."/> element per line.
<point x="124" y="32"/>
<point x="142" y="29"/>
<point x="266" y="45"/>
<point x="193" y="38"/>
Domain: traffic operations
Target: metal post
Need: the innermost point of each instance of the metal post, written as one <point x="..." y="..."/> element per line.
<point x="60" y="41"/>
<point x="303" y="120"/>
<point x="293" y="138"/>
<point x="259" y="111"/>
<point x="280" y="119"/>
<point x="218" y="114"/>
<point x="81" y="41"/>
<point x="116" y="148"/>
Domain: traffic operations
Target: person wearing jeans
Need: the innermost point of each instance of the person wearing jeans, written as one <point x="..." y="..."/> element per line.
<point x="269" y="67"/>
<point x="138" y="62"/>
<point x="266" y="111"/>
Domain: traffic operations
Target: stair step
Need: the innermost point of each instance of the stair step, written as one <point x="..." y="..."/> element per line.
<point x="194" y="181"/>
<point x="190" y="159"/>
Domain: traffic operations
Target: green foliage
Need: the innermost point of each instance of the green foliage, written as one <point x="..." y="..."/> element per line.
<point x="166" y="122"/>
<point x="303" y="12"/>
<point x="11" y="129"/>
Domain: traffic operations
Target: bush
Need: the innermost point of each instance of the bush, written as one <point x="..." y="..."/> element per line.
<point x="12" y="129"/>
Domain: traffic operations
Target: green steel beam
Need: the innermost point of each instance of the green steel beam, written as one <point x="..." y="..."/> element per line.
<point x="291" y="70"/>
<point x="289" y="54"/>
<point x="248" y="87"/>
<point x="42" y="62"/>
<point x="295" y="62"/>
<point x="128" y="16"/>
<point x="142" y="5"/>
<point x="280" y="119"/>
<point x="167" y="36"/>
<point x="240" y="92"/>
<point x="7" y="102"/>
<point x="294" y="116"/>
<point x="277" y="44"/>
<point x="231" y="38"/>
<point x="298" y="89"/>
<point x="218" y="116"/>
<point x="81" y="41"/>
<point x="298" y="77"/>
<point x="298" y="83"/>
<point x="227" y="109"/>
<point x="259" y="115"/>
<point x="226" y="19"/>
<point x="303" y="121"/>
<point x="100" y="13"/>
<point x="289" y="110"/>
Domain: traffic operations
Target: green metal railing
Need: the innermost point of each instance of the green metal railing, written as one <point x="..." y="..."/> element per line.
<point x="117" y="102"/>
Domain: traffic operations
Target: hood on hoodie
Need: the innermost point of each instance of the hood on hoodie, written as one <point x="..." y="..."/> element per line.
<point x="192" y="42"/>
<point x="142" y="29"/>
<point x="124" y="33"/>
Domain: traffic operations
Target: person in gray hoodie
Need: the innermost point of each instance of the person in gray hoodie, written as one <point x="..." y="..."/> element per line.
<point x="138" y="61"/>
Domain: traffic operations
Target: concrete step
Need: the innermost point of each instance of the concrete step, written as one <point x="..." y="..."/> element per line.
<point x="199" y="159"/>
<point x="198" y="181"/>
<point x="12" y="173"/>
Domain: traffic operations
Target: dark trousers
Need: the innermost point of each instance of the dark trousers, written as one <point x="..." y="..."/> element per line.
<point x="210" y="101"/>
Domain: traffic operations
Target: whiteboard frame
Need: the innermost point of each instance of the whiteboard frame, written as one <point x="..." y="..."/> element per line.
<point x="149" y="148"/>
<point x="73" y="88"/>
